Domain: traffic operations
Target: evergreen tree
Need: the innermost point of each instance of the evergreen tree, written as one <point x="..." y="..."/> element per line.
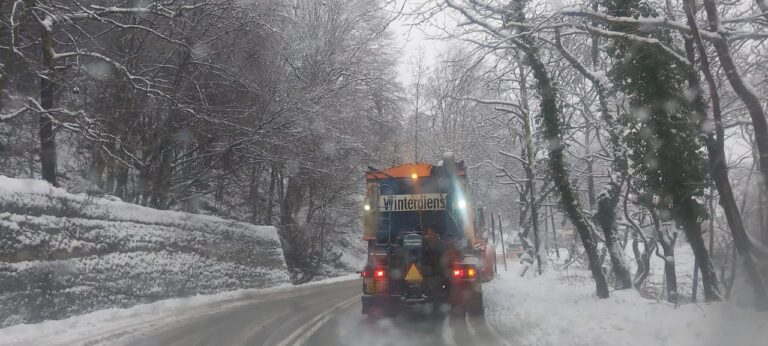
<point x="664" y="141"/>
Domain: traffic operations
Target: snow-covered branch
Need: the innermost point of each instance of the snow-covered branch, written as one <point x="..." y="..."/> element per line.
<point x="13" y="114"/>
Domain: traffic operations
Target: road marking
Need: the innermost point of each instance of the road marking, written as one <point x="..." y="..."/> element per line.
<point x="304" y="337"/>
<point x="447" y="332"/>
<point x="311" y="331"/>
<point x="251" y="330"/>
<point x="471" y="329"/>
<point x="301" y="334"/>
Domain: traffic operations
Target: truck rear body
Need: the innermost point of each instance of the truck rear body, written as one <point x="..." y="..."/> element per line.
<point x="423" y="248"/>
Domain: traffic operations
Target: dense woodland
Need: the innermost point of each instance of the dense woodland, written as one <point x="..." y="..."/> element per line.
<point x="264" y="111"/>
<point x="638" y="124"/>
<point x="641" y="124"/>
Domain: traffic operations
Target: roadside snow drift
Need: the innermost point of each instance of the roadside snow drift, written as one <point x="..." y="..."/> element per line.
<point x="63" y="254"/>
<point x="561" y="308"/>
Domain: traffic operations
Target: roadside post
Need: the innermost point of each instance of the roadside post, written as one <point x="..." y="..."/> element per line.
<point x="493" y="236"/>
<point x="503" y="248"/>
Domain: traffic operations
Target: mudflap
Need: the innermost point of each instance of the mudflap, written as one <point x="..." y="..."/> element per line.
<point x="379" y="305"/>
<point x="390" y="306"/>
<point x="467" y="298"/>
<point x="475" y="305"/>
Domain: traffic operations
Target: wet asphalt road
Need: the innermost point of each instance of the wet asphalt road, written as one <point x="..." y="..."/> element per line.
<point x="317" y="315"/>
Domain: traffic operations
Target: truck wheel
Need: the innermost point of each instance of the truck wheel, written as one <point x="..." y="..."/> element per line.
<point x="475" y="304"/>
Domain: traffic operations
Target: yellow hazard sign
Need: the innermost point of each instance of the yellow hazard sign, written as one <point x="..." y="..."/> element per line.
<point x="413" y="274"/>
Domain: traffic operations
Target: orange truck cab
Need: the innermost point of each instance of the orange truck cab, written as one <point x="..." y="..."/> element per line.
<point x="426" y="246"/>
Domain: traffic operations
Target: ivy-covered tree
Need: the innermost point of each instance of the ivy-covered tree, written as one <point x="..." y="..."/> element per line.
<point x="664" y="138"/>
<point x="605" y="218"/>
<point x="552" y="130"/>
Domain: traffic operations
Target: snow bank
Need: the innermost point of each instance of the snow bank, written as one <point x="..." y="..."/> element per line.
<point x="560" y="308"/>
<point x="63" y="254"/>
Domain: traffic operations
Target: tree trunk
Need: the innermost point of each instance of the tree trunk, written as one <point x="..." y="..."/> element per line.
<point x="620" y="266"/>
<point x="732" y="279"/>
<point x="761" y="204"/>
<point x="271" y="197"/>
<point x="554" y="230"/>
<point x="590" y="169"/>
<point x="289" y="230"/>
<point x="743" y="89"/>
<point x="708" y="276"/>
<point x="311" y="205"/>
<point x="161" y="180"/>
<point x="717" y="161"/>
<point x="606" y="219"/>
<point x="289" y="203"/>
<point x="553" y="134"/>
<point x="643" y="260"/>
<point x="253" y="192"/>
<point x="121" y="181"/>
<point x="529" y="176"/>
<point x="9" y="59"/>
<point x="97" y="169"/>
<point x="524" y="220"/>
<point x="47" y="132"/>
<point x="671" y="278"/>
<point x="649" y="245"/>
<point x="695" y="287"/>
<point x="667" y="244"/>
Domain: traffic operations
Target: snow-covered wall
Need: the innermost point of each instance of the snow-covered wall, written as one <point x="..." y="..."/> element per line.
<point x="63" y="254"/>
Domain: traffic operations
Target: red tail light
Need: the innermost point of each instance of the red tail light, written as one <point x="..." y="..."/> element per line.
<point x="380" y="273"/>
<point x="464" y="272"/>
<point x="367" y="272"/>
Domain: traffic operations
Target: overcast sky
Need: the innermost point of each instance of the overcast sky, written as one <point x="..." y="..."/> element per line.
<point x="414" y="39"/>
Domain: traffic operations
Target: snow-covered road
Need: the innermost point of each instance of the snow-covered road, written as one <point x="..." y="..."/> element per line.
<point x="557" y="308"/>
<point x="324" y="313"/>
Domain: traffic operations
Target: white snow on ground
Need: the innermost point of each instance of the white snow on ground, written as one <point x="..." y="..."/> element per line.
<point x="64" y="254"/>
<point x="560" y="308"/>
<point x="111" y="325"/>
<point x="38" y="195"/>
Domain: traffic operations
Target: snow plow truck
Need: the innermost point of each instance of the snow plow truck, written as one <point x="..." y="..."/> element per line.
<point x="427" y="247"/>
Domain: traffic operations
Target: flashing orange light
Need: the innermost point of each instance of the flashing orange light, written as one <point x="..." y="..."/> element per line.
<point x="414" y="176"/>
<point x="471" y="272"/>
